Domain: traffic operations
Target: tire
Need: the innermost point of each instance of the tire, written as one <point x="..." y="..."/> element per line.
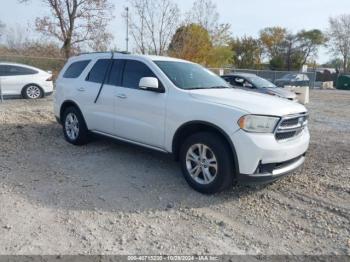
<point x="212" y="173"/>
<point x="32" y="92"/>
<point x="74" y="127"/>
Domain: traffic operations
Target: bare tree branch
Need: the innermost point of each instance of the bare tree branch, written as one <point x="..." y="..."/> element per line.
<point x="76" y="22"/>
<point x="152" y="23"/>
<point x="339" y="38"/>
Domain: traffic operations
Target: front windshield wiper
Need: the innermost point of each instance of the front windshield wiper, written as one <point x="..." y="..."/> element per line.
<point x="211" y="87"/>
<point x="193" y="88"/>
<point x="216" y="87"/>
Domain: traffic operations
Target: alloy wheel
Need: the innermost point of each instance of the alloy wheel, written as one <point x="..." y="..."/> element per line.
<point x="33" y="92"/>
<point x="201" y="164"/>
<point x="72" y="126"/>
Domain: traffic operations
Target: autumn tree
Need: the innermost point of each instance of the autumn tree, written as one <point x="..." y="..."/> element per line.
<point x="191" y="42"/>
<point x="75" y="23"/>
<point x="247" y="52"/>
<point x="339" y="38"/>
<point x="152" y="24"/>
<point x="204" y="13"/>
<point x="272" y="39"/>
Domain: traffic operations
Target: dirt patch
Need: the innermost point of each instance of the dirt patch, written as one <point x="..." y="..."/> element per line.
<point x="113" y="198"/>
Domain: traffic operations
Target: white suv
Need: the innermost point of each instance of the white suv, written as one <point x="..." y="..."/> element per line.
<point x="219" y="134"/>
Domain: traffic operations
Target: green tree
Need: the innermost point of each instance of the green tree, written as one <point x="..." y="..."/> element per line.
<point x="286" y="50"/>
<point x="309" y="43"/>
<point x="246" y="52"/>
<point x="221" y="56"/>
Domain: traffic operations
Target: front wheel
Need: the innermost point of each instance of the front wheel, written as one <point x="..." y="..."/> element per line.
<point x="207" y="163"/>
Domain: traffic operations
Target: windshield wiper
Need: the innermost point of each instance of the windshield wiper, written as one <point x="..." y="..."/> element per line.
<point x="193" y="88"/>
<point x="211" y="87"/>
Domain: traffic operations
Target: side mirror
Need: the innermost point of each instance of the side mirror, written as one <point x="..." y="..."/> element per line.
<point x="149" y="83"/>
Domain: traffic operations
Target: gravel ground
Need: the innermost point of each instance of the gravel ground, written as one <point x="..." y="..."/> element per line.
<point x="113" y="198"/>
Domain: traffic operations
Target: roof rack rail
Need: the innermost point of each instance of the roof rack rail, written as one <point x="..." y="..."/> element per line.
<point x="106" y="52"/>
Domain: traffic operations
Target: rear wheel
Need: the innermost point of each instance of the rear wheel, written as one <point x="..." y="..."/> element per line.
<point x="74" y="127"/>
<point x="207" y="163"/>
<point x="32" y="92"/>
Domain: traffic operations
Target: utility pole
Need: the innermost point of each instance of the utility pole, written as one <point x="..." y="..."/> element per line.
<point x="127" y="29"/>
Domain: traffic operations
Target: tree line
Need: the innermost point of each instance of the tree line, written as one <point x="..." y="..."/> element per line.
<point x="159" y="27"/>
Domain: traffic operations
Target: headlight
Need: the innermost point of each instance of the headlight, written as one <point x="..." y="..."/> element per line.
<point x="258" y="124"/>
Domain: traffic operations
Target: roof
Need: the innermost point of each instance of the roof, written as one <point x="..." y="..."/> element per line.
<point x="128" y="55"/>
<point x="22" y="65"/>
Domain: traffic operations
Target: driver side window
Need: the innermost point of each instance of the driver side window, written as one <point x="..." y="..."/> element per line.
<point x="133" y="72"/>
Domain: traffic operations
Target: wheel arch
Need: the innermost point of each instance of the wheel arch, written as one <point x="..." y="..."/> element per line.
<point x="193" y="127"/>
<point x="65" y="105"/>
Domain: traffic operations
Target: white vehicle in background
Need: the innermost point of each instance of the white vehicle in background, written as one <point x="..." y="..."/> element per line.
<point x="220" y="135"/>
<point x="26" y="81"/>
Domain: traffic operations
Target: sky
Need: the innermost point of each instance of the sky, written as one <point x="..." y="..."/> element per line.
<point x="246" y="17"/>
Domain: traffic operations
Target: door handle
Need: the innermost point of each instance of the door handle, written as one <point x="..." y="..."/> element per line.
<point x="122" y="96"/>
<point x="81" y="89"/>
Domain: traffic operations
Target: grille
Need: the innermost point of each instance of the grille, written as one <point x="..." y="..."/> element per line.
<point x="291" y="126"/>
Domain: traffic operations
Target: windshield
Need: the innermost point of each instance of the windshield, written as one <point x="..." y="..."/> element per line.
<point x="289" y="76"/>
<point x="260" y="82"/>
<point x="191" y="76"/>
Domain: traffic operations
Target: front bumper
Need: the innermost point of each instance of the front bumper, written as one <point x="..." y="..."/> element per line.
<point x="267" y="173"/>
<point x="262" y="158"/>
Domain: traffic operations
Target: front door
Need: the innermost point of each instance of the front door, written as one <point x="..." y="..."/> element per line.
<point x="140" y="114"/>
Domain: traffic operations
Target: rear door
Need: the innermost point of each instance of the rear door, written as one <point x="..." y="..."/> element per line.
<point x="140" y="114"/>
<point x="103" y="112"/>
<point x="97" y="106"/>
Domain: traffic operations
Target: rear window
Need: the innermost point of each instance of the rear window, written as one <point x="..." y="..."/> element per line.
<point x="75" y="69"/>
<point x="99" y="71"/>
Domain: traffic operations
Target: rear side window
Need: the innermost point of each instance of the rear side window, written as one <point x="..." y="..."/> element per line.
<point x="99" y="71"/>
<point x="75" y="69"/>
<point x="9" y="70"/>
<point x="133" y="72"/>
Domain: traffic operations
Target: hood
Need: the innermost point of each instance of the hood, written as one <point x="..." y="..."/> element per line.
<point x="282" y="92"/>
<point x="250" y="102"/>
